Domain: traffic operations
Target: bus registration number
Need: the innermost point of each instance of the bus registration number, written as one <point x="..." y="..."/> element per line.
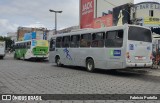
<point x="140" y="58"/>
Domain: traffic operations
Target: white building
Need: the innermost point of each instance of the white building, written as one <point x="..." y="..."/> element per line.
<point x="146" y="14"/>
<point x="12" y="35"/>
<point x="50" y="34"/>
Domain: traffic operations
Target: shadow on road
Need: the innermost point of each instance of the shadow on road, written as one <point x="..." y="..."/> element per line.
<point x="138" y="74"/>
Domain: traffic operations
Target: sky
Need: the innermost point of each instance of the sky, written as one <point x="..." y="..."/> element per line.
<point x="35" y="13"/>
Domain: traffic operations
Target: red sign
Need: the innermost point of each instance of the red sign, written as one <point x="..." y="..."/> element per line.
<point x="86" y="13"/>
<point x="105" y="21"/>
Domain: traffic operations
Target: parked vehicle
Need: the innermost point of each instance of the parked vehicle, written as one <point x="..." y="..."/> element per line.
<point x="2" y="49"/>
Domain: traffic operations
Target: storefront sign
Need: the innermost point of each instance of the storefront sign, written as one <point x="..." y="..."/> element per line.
<point x="86" y="13"/>
<point x="152" y="21"/>
<point x="147" y="6"/>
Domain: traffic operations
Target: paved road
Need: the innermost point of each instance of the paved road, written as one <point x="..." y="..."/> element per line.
<point x="28" y="77"/>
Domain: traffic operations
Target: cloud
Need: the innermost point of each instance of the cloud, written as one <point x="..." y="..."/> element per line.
<point x="27" y="12"/>
<point x="7" y="26"/>
<point x="36" y="25"/>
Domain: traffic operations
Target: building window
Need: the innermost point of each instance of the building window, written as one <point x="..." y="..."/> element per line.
<point x="151" y="13"/>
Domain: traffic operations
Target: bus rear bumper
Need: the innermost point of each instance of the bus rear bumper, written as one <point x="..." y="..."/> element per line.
<point x="139" y="65"/>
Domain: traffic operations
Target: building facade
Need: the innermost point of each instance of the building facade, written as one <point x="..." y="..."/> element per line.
<point x="41" y="33"/>
<point x="93" y="9"/>
<point x="146" y="14"/>
<point x="12" y="35"/>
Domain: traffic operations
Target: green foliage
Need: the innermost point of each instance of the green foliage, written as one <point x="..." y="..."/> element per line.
<point x="9" y="42"/>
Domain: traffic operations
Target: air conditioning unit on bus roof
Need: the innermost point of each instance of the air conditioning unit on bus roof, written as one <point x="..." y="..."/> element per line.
<point x="81" y="29"/>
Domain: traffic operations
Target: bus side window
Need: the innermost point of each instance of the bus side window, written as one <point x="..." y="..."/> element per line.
<point x="25" y="45"/>
<point x="75" y="41"/>
<point x="85" y="40"/>
<point x="119" y="38"/>
<point x="109" y="40"/>
<point x="28" y="44"/>
<point x="18" y="46"/>
<point x="66" y="41"/>
<point x="15" y="46"/>
<point x="52" y="45"/>
<point x="98" y="39"/>
<point x="58" y="42"/>
<point x="114" y="38"/>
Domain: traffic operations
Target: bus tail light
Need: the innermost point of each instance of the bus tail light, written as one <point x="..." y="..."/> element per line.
<point x="127" y="55"/>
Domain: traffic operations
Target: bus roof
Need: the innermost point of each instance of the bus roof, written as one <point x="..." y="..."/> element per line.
<point x="22" y="41"/>
<point x="89" y="30"/>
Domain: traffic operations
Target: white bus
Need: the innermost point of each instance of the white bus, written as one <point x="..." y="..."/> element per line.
<point x="116" y="47"/>
<point x="2" y="49"/>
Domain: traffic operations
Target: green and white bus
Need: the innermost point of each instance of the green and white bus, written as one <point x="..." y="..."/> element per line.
<point x="117" y="47"/>
<point x="31" y="49"/>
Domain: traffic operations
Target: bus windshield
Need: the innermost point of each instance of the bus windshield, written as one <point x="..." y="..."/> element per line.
<point x="139" y="34"/>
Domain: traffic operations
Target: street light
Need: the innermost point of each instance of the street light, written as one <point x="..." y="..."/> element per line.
<point x="55" y="18"/>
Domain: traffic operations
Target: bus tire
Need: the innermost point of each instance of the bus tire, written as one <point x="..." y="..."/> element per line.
<point x="90" y="65"/>
<point x="58" y="61"/>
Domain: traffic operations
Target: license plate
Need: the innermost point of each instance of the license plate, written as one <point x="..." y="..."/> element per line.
<point x="140" y="58"/>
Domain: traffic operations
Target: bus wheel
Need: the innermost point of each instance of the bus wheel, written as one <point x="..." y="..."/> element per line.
<point x="90" y="65"/>
<point x="58" y="62"/>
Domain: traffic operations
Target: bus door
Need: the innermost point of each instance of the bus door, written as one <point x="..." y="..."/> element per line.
<point x="139" y="45"/>
<point x="66" y="53"/>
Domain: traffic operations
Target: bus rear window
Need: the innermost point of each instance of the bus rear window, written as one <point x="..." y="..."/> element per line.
<point x="139" y="34"/>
